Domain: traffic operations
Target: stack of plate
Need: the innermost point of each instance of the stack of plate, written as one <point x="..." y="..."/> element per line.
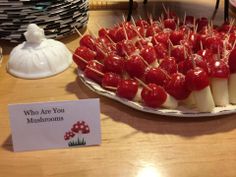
<point x="56" y="17"/>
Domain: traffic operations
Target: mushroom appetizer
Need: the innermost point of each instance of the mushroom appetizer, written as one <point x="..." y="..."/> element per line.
<point x="167" y="63"/>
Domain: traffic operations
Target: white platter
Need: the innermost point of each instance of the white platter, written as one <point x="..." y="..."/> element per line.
<point x="179" y="112"/>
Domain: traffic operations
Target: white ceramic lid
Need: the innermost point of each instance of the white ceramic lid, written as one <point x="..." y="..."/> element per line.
<point x="38" y="57"/>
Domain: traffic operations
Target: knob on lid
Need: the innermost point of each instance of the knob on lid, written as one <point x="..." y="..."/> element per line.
<point x="38" y="57"/>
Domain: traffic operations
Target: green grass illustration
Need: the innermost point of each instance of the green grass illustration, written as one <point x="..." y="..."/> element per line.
<point x="77" y="142"/>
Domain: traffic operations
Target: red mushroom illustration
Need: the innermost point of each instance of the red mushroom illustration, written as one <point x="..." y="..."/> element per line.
<point x="69" y="135"/>
<point x="78" y="129"/>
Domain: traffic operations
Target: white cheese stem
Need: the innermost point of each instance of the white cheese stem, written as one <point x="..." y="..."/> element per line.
<point x="134" y="40"/>
<point x="125" y="76"/>
<point x="138" y="97"/>
<point x="219" y="87"/>
<point x="232" y="88"/>
<point x="204" y="100"/>
<point x="170" y="103"/>
<point x="189" y="101"/>
<point x="154" y="64"/>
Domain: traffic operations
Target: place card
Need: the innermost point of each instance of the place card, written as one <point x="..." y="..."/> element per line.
<point x="50" y="125"/>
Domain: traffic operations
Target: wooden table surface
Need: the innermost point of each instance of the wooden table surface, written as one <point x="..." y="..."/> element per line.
<point x="133" y="143"/>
